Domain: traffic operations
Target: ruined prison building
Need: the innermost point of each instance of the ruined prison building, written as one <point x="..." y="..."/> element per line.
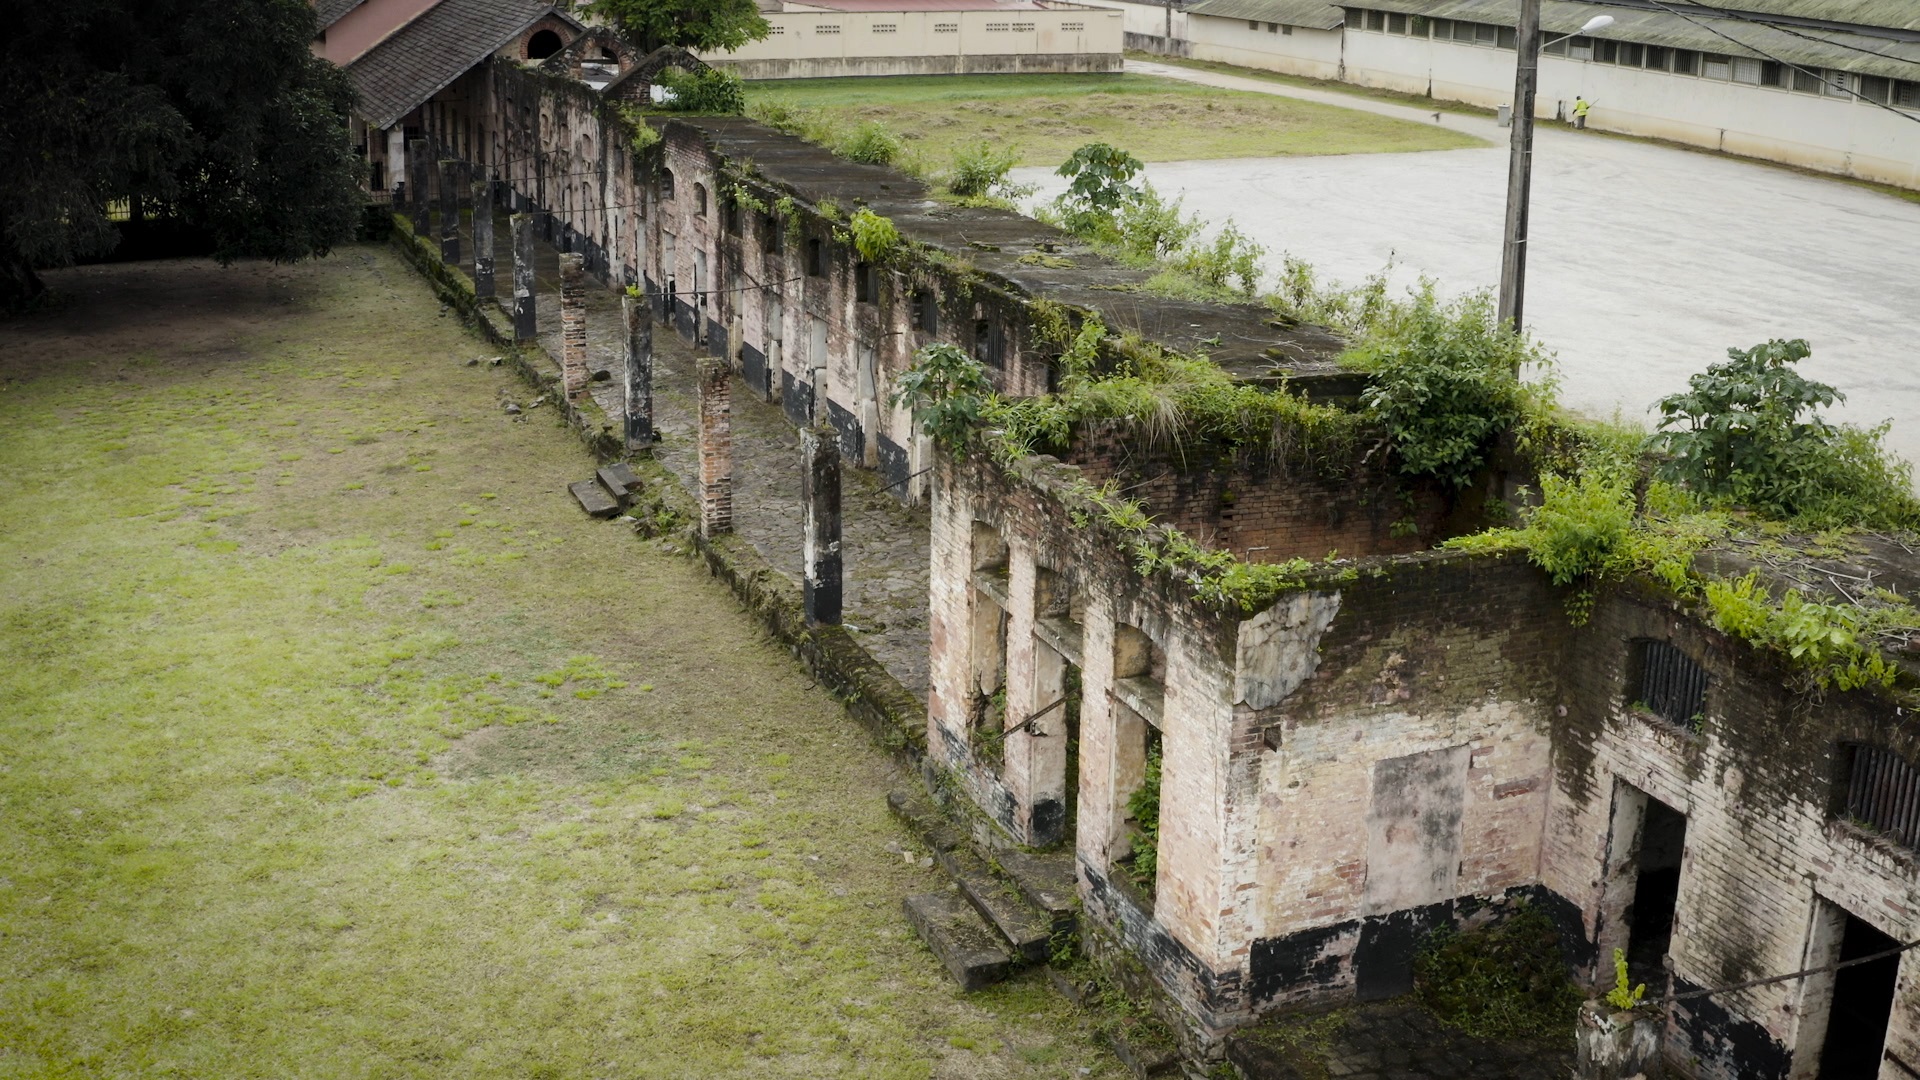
<point x="1406" y="739"/>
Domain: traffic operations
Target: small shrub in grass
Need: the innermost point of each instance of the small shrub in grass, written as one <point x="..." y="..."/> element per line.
<point x="870" y="143"/>
<point x="981" y="169"/>
<point x="1505" y="981"/>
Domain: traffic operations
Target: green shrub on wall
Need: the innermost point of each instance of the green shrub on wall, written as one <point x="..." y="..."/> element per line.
<point x="711" y="92"/>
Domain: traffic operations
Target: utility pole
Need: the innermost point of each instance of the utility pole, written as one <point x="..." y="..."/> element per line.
<point x="1513" y="255"/>
<point x="1169" y="37"/>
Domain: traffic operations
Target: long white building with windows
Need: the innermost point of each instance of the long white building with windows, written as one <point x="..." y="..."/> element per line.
<point x="1832" y="85"/>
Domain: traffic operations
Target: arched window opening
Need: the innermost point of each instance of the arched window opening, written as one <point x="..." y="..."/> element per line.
<point x="542" y="44"/>
<point x="700" y="200"/>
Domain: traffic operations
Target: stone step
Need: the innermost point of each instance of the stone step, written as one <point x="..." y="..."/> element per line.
<point x="957" y="935"/>
<point x="594" y="499"/>
<point x="1030" y="932"/>
<point x="618" y="479"/>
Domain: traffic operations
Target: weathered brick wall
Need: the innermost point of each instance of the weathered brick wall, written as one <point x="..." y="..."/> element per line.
<point x="1757" y="785"/>
<point x="1452" y="656"/>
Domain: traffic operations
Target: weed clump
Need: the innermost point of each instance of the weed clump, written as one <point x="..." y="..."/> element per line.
<point x="1505" y="981"/>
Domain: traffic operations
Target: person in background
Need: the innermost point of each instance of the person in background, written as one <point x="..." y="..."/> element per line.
<point x="1581" y="106"/>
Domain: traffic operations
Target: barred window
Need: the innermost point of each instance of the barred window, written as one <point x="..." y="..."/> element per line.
<point x="1356" y="19"/>
<point x="1883" y="792"/>
<point x="1876" y="88"/>
<point x="1906" y="94"/>
<point x="1672" y="686"/>
<point x="1808" y="81"/>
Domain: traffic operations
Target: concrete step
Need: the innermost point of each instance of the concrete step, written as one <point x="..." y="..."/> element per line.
<point x="1029" y="931"/>
<point x="1004" y="890"/>
<point x="1045" y="880"/>
<point x="594" y="499"/>
<point x="924" y="820"/>
<point x="618" y="479"/>
<point x="954" y="931"/>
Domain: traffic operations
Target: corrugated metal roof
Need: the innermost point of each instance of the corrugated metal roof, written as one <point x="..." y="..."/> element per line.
<point x="1899" y="14"/>
<point x="426" y="56"/>
<point x="1308" y="13"/>
<point x="1736" y="37"/>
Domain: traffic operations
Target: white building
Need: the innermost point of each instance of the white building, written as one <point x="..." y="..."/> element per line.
<point x="1832" y="85"/>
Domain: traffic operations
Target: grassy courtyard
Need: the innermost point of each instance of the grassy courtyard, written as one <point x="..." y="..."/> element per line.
<point x="1047" y="116"/>
<point x="335" y="742"/>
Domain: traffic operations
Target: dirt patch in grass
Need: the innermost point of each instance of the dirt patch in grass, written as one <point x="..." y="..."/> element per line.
<point x="1046" y="117"/>
<point x="334" y="741"/>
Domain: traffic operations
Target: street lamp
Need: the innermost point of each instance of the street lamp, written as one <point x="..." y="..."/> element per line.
<point x="1513" y="255"/>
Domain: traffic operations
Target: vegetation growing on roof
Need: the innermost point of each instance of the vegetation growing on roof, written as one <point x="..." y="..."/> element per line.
<point x="710" y="92"/>
<point x="874" y="237"/>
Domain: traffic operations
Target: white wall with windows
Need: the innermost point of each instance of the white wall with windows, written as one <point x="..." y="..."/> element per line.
<point x="1742" y="105"/>
<point x="1273" y="46"/>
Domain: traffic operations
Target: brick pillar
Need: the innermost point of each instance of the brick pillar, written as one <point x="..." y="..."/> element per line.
<point x="525" y="328"/>
<point x="639" y="371"/>
<point x="483" y="239"/>
<point x="820" y="528"/>
<point x="418" y="172"/>
<point x="573" y="325"/>
<point x="450" y="212"/>
<point x="716" y="448"/>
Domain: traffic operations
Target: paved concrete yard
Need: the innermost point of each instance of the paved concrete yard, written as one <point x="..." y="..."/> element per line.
<point x="1647" y="263"/>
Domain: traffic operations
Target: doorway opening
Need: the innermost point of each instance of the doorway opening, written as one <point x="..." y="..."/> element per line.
<point x="1862" y="1004"/>
<point x="1663" y="838"/>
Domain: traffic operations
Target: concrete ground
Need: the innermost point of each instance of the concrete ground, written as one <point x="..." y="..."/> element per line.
<point x="1648" y="261"/>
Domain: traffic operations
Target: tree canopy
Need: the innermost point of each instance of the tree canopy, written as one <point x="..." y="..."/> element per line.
<point x="701" y="25"/>
<point x="211" y="113"/>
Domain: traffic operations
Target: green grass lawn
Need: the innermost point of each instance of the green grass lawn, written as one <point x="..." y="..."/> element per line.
<point x="335" y="742"/>
<point x="1047" y="116"/>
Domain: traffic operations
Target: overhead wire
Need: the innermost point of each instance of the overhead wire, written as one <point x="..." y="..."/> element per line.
<point x="1813" y="73"/>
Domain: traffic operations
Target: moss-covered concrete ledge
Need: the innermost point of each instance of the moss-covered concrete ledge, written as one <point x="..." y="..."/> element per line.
<point x="896" y="720"/>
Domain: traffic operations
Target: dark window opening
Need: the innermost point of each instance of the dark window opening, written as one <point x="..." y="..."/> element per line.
<point x="1862" y="1004"/>
<point x="1685" y="62"/>
<point x="1356" y="19"/>
<point x="542" y="44"/>
<point x="1377" y="20"/>
<point x="1883" y="793"/>
<point x="866" y="283"/>
<point x="1657" y="57"/>
<point x="730" y="217"/>
<point x="1876" y="88"/>
<point x="1606" y="52"/>
<point x="1772" y="74"/>
<point x="770" y="235"/>
<point x="1508" y="38"/>
<point x="816" y="259"/>
<point x="700" y="200"/>
<point x="666" y="183"/>
<point x="926" y="312"/>
<point x="986" y="342"/>
<point x="1656" y="894"/>
<point x="1396" y="23"/>
<point x="1671" y="685"/>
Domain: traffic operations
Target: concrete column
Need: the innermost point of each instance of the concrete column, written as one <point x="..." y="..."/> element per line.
<point x="716" y="448"/>
<point x="450" y="211"/>
<point x="524" y="325"/>
<point x="820" y="535"/>
<point x="573" y="325"/>
<point x="483" y="239"/>
<point x="639" y="371"/>
<point x="418" y="172"/>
